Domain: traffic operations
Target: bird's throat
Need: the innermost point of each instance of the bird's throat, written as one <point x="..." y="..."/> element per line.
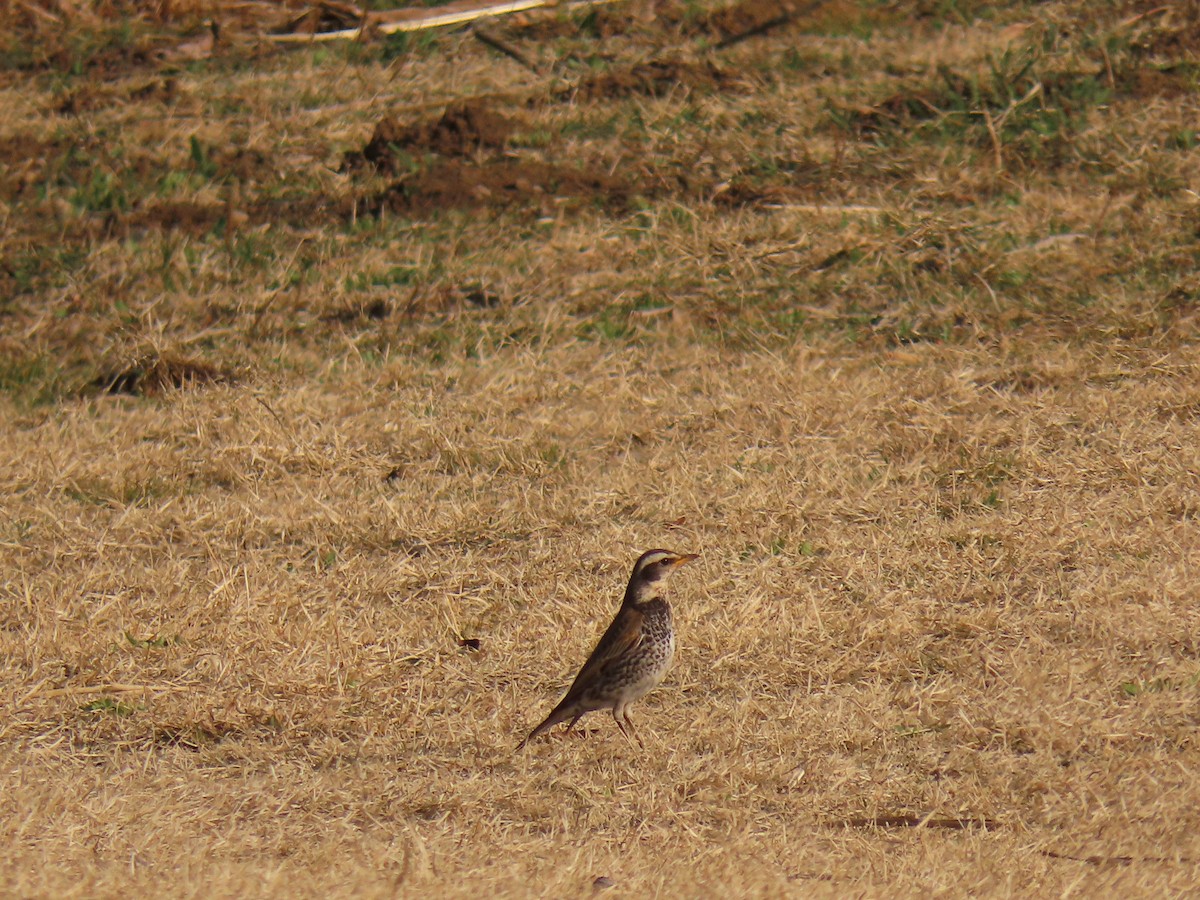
<point x="642" y="594"/>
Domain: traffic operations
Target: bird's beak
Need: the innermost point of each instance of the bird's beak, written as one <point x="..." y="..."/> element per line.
<point x="686" y="557"/>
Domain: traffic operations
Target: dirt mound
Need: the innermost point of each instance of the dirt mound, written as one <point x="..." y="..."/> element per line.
<point x="1169" y="81"/>
<point x="463" y="129"/>
<point x="656" y="78"/>
<point x="649" y="17"/>
<point x="156" y="373"/>
<point x="91" y="96"/>
<point x="173" y="215"/>
<point x="1172" y="33"/>
<point x="201" y="217"/>
<point x="505" y="184"/>
<point x="750" y="17"/>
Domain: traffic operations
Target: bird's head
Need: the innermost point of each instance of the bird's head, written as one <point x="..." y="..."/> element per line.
<point x="651" y="572"/>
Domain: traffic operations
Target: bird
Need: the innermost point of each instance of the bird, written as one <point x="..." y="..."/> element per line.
<point x="633" y="654"/>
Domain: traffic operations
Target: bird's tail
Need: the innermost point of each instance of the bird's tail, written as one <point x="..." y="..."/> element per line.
<point x="561" y="713"/>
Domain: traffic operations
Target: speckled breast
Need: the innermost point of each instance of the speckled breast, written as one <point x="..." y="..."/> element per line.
<point x="658" y="643"/>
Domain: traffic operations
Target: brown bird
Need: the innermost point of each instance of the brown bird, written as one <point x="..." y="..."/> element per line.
<point x="634" y="653"/>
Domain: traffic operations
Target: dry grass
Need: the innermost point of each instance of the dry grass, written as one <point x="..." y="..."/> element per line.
<point x="912" y="364"/>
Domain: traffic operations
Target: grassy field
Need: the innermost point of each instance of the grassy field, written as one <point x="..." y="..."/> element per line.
<point x="341" y="385"/>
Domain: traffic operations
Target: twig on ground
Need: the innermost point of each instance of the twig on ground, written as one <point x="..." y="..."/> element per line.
<point x="996" y="149"/>
<point x="504" y="47"/>
<point x="115" y="688"/>
<point x="755" y="31"/>
<point x="423" y="20"/>
<point x="905" y="820"/>
<point x="1097" y="860"/>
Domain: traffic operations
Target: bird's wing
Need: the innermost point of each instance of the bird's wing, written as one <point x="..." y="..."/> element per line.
<point x="622" y="636"/>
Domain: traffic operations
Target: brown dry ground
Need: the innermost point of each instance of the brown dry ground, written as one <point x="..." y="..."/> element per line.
<point x="327" y="457"/>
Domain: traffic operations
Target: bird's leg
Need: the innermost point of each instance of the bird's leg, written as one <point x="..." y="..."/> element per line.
<point x="571" y="727"/>
<point x="618" y="713"/>
<point x="629" y="722"/>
